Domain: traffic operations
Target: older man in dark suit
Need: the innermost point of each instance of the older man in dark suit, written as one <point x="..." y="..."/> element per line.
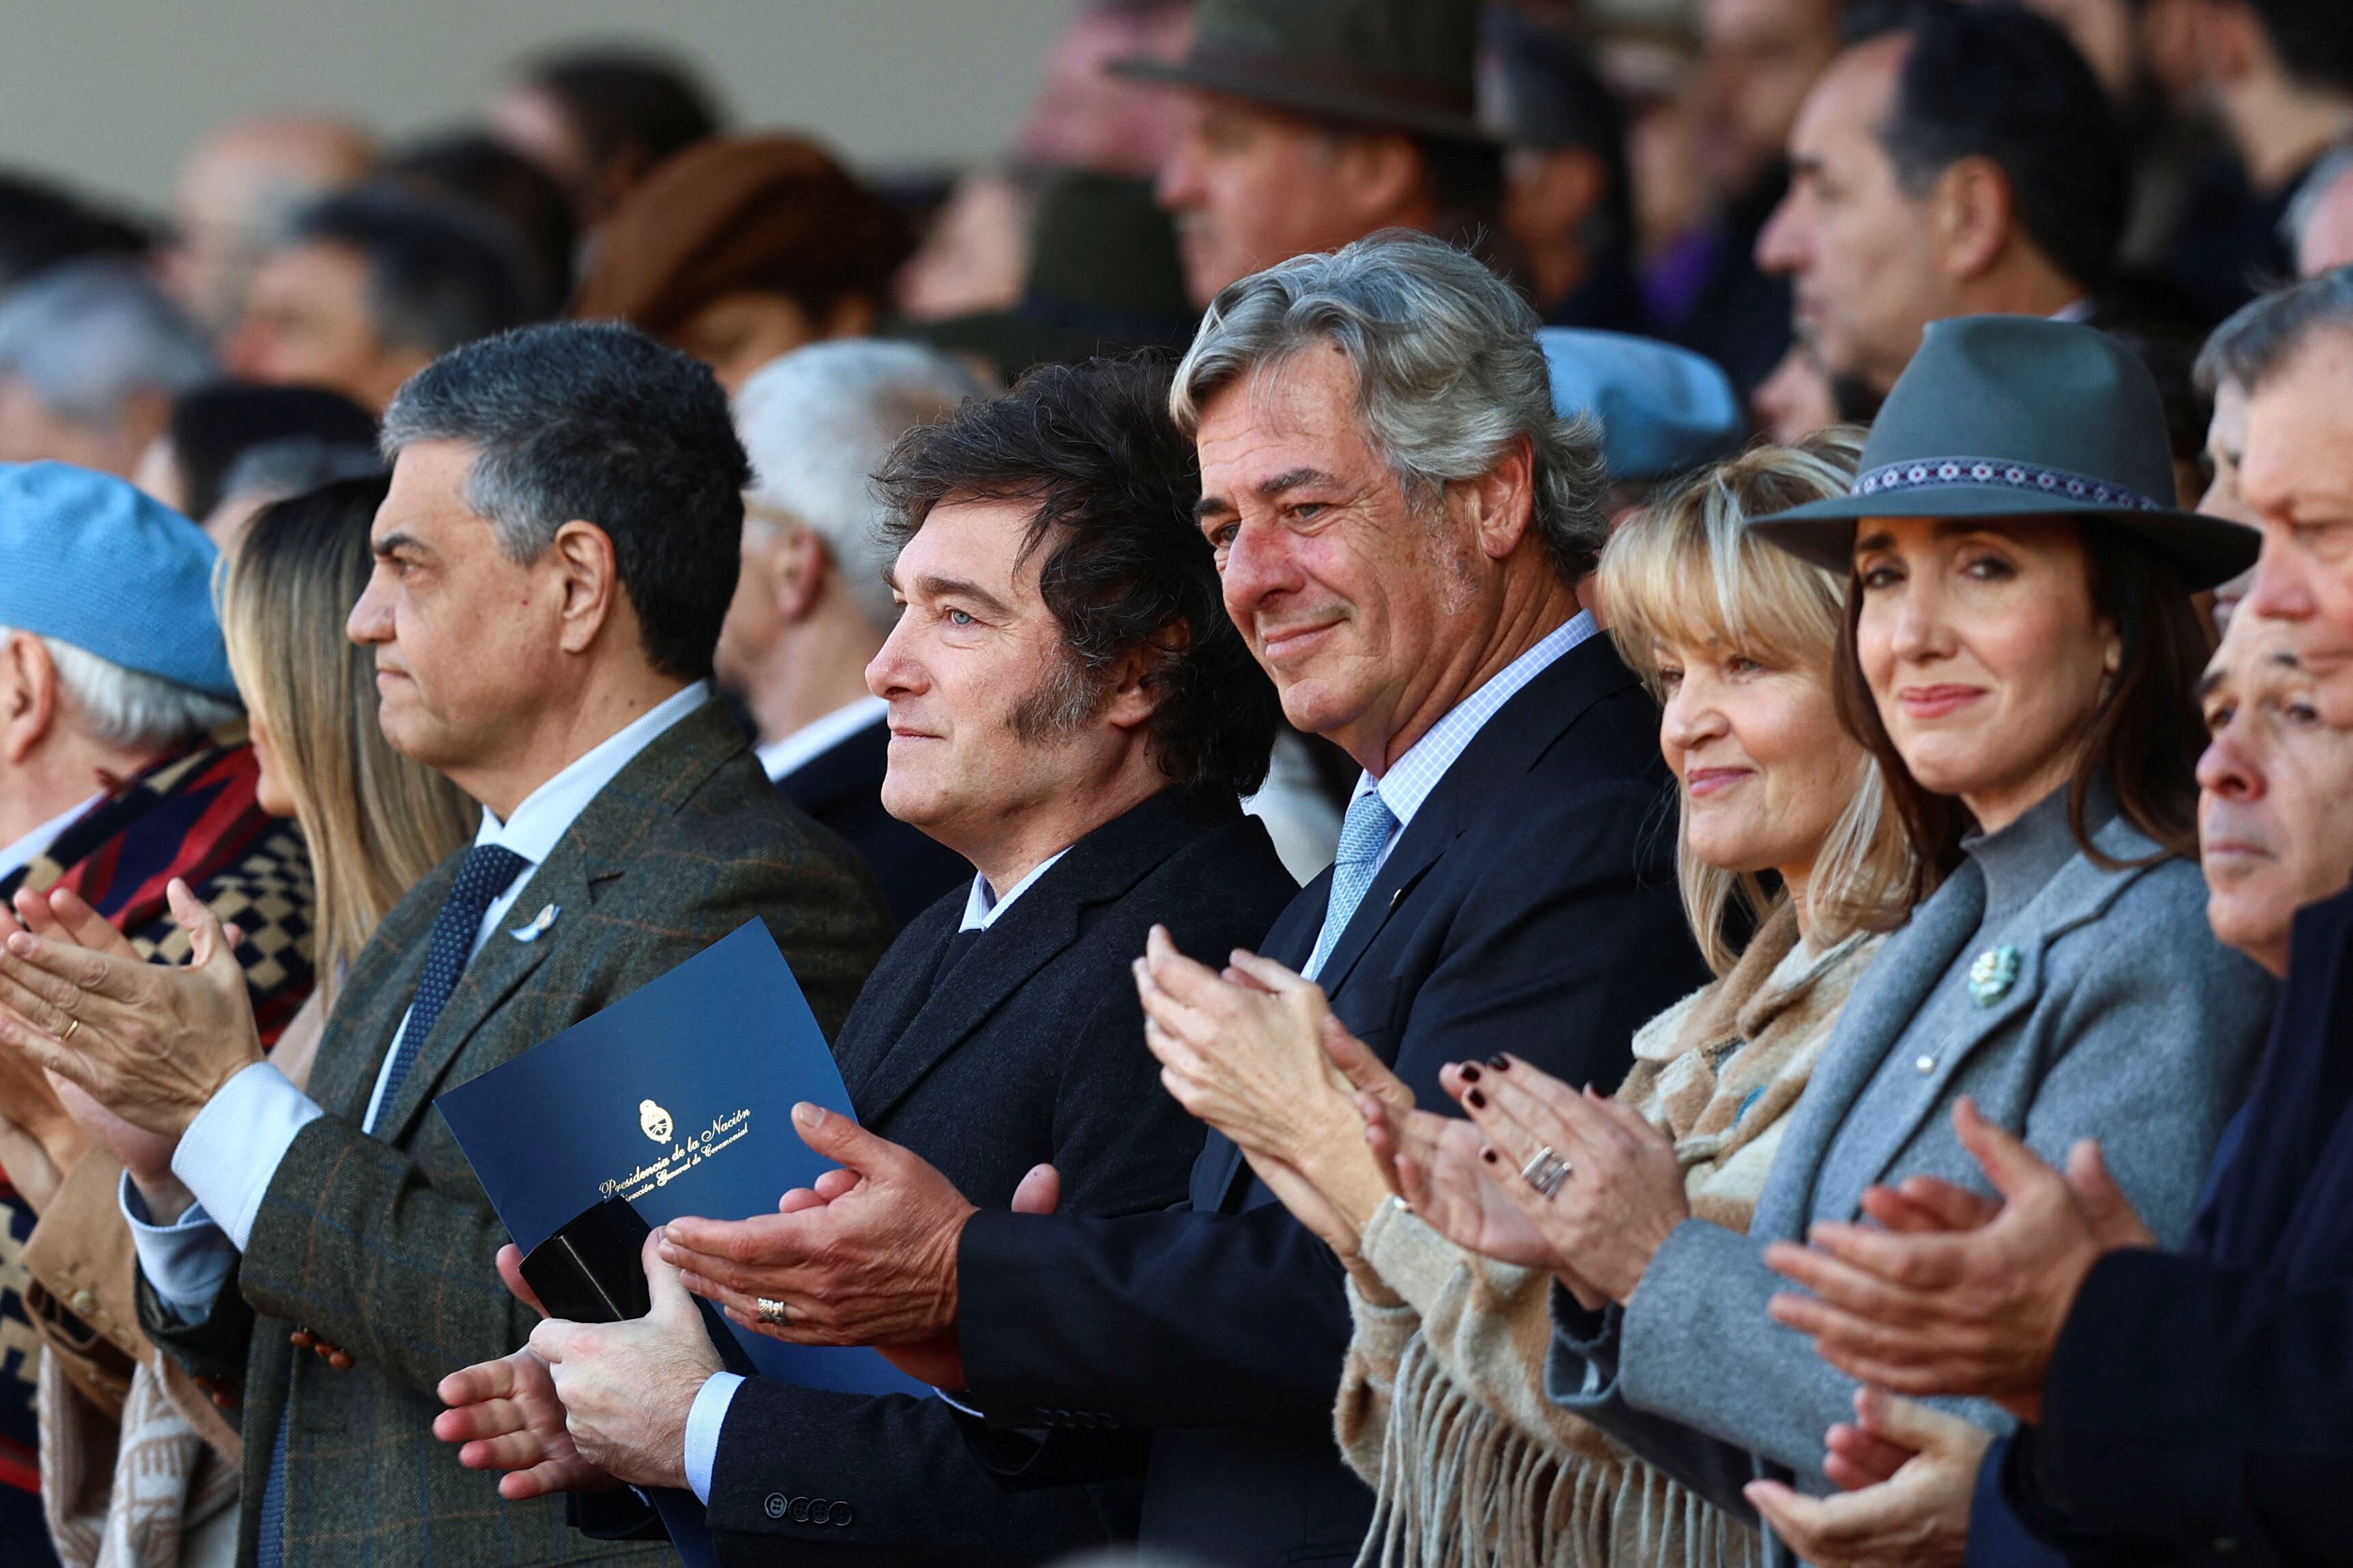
<point x="553" y="563"/>
<point x="1400" y="520"/>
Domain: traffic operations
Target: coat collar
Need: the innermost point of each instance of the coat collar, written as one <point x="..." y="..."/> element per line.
<point x="1902" y="981"/>
<point x="593" y="853"/>
<point x="887" y="1051"/>
<point x="1511" y="744"/>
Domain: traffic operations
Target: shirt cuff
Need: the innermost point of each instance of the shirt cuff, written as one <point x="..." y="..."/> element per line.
<point x="703" y="1423"/>
<point x="232" y="1149"/>
<point x="187" y="1262"/>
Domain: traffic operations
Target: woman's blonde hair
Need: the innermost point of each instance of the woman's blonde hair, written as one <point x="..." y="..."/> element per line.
<point x="1685" y="570"/>
<point x="375" y="821"/>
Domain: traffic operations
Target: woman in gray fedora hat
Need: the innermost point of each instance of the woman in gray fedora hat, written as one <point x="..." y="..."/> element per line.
<point x="2020" y="656"/>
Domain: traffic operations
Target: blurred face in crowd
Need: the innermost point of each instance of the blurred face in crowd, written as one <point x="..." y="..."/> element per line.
<point x="468" y="643"/>
<point x="2297" y="476"/>
<point x="1864" y="255"/>
<point x="243" y="178"/>
<point x="1757" y="58"/>
<point x="308" y="323"/>
<point x="1086" y="118"/>
<point x="1250" y="188"/>
<point x="737" y="333"/>
<point x="1983" y="653"/>
<point x="1755" y="741"/>
<point x="992" y="726"/>
<point x="2273" y="833"/>
<point x="31" y="433"/>
<point x="1362" y="606"/>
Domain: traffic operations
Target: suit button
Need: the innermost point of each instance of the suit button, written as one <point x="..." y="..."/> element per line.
<point x="800" y="1510"/>
<point x="774" y="1505"/>
<point x="842" y="1515"/>
<point x="84" y="1303"/>
<point x="1927" y="1065"/>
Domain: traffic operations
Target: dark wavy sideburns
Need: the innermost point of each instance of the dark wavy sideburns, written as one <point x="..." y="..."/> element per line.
<point x="2143" y="736"/>
<point x="1125" y="569"/>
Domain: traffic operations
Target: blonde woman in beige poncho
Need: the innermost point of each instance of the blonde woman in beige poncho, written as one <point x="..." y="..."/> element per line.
<point x="1442" y="1406"/>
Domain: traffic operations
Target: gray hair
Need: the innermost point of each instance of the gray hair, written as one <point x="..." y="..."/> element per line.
<point x="88" y="335"/>
<point x="129" y="709"/>
<point x="2262" y="335"/>
<point x="820" y="421"/>
<point x="1448" y="376"/>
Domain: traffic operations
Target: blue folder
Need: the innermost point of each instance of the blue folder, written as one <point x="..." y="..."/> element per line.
<point x="679" y="1097"/>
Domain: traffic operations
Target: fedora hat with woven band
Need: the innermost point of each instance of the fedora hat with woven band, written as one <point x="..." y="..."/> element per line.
<point x="1408" y="65"/>
<point x="2017" y="417"/>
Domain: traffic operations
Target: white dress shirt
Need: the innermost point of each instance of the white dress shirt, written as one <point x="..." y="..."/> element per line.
<point x="815" y="739"/>
<point x="982" y="909"/>
<point x="232" y="1150"/>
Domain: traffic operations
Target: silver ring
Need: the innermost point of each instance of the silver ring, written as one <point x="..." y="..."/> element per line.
<point x="772" y="1313"/>
<point x="1544" y="1171"/>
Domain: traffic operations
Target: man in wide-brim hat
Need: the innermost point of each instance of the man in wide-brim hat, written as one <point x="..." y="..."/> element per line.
<point x="2018" y="418"/>
<point x="1312" y="124"/>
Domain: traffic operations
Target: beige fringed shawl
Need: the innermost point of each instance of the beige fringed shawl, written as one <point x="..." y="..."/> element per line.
<point x="1442" y="1407"/>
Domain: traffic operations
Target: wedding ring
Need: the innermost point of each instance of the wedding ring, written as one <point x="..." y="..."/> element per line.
<point x="1544" y="1171"/>
<point x="72" y="1023"/>
<point x="772" y="1313"/>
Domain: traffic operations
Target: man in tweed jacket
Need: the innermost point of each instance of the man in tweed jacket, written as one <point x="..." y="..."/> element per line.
<point x="553" y="562"/>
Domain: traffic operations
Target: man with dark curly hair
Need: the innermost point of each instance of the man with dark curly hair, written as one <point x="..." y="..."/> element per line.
<point x="1072" y="710"/>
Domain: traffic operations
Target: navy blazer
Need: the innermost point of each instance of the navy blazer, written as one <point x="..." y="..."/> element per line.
<point x="1030" y="1050"/>
<point x="842" y="787"/>
<point x="1530" y="906"/>
<point x="2199" y="1407"/>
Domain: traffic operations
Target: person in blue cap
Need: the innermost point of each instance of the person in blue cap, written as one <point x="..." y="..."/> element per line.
<point x="1663" y="410"/>
<point x="122" y="766"/>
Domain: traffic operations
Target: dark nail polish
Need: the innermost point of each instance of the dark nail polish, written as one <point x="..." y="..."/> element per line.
<point x="1470" y="1071"/>
<point x="1476" y="1099"/>
<point x="1499" y="1063"/>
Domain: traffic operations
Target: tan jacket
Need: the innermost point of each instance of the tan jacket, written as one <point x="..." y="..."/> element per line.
<point x="1442" y="1405"/>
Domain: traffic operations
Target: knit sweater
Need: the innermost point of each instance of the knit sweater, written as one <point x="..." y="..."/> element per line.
<point x="1442" y="1408"/>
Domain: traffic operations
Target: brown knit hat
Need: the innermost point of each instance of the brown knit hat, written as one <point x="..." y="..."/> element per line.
<point x="772" y="214"/>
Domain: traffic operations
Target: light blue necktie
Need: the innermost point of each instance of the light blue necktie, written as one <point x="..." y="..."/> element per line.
<point x="1364" y="834"/>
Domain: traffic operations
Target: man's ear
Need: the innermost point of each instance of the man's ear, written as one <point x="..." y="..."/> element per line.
<point x="591" y="573"/>
<point x="1130" y="700"/>
<point x="1382" y="171"/>
<point x="1974" y="213"/>
<point x="800" y="567"/>
<point x="29" y="695"/>
<point x="1500" y="502"/>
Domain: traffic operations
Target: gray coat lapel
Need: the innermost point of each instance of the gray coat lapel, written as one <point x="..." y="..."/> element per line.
<point x="2078" y="891"/>
<point x="1882" y="1003"/>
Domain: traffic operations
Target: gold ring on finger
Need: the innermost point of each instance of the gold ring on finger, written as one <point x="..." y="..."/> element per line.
<point x="72" y="1023"/>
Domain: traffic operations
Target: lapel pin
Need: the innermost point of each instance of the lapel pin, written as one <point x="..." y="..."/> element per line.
<point x="539" y="923"/>
<point x="1992" y="973"/>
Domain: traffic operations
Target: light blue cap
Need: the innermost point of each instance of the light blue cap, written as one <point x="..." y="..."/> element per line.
<point x="93" y="561"/>
<point x="1662" y="409"/>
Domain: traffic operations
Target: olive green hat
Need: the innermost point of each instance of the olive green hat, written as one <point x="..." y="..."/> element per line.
<point x="2018" y="416"/>
<point x="1407" y="65"/>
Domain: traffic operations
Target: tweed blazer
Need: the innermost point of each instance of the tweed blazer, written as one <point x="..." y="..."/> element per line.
<point x="2126" y="1021"/>
<point x="384" y="1244"/>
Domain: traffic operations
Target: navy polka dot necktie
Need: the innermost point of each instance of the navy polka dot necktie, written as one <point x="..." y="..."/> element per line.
<point x="488" y="870"/>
